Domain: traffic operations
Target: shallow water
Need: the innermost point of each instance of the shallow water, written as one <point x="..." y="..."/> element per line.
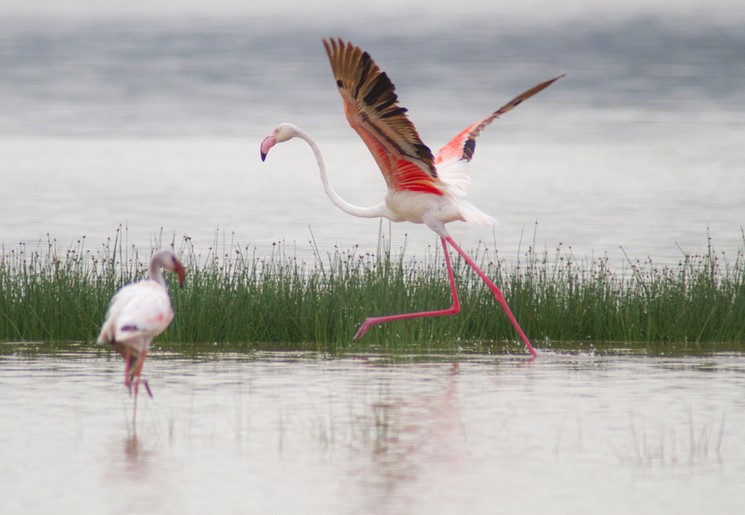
<point x="270" y="432"/>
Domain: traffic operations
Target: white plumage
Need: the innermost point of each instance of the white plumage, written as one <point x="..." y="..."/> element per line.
<point x="139" y="312"/>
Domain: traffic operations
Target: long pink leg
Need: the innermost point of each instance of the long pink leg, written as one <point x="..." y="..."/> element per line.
<point x="134" y="405"/>
<point x="144" y="381"/>
<point x="138" y="373"/>
<point x="497" y="294"/>
<point x="453" y="310"/>
<point x="127" y="367"/>
<point x="137" y="379"/>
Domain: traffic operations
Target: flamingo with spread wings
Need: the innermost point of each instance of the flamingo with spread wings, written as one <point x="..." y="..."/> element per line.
<point x="422" y="188"/>
<point x="139" y="312"/>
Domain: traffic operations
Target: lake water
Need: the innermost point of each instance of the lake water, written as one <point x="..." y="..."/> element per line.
<point x="154" y="124"/>
<point x="270" y="432"/>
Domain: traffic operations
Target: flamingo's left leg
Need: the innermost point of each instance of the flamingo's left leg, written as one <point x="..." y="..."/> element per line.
<point x="452" y="310"/>
<point x="497" y="294"/>
<point x="138" y="371"/>
<point x="144" y="381"/>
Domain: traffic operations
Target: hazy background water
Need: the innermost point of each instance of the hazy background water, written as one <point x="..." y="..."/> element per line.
<point x="150" y="116"/>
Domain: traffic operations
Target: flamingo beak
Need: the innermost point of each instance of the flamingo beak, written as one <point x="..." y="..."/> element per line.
<point x="181" y="273"/>
<point x="268" y="143"/>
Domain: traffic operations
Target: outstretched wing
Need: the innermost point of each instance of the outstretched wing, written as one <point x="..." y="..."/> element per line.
<point x="372" y="109"/>
<point x="464" y="144"/>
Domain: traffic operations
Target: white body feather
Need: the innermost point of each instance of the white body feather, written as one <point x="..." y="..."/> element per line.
<point x="437" y="210"/>
<point x="137" y="313"/>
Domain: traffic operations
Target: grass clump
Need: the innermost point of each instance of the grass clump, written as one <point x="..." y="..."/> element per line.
<point x="236" y="299"/>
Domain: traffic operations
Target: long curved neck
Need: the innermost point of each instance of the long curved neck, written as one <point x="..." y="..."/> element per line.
<point x="363" y="212"/>
<point x="156" y="273"/>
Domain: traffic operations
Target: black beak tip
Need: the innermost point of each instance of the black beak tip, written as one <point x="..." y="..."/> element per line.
<point x="263" y="156"/>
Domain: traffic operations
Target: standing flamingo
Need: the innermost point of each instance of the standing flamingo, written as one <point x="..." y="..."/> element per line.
<point x="139" y="312"/>
<point x="422" y="188"/>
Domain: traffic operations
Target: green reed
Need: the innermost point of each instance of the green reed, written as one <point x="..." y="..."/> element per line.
<point x="236" y="299"/>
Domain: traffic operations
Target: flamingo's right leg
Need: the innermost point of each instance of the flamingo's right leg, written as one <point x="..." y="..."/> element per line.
<point x="127" y="368"/>
<point x="452" y="310"/>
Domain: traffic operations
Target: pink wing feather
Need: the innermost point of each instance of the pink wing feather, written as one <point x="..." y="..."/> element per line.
<point x="372" y="109"/>
<point x="464" y="144"/>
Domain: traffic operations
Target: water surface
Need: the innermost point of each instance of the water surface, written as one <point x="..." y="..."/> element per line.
<point x="270" y="432"/>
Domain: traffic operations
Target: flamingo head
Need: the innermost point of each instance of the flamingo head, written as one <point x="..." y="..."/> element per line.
<point x="179" y="269"/>
<point x="283" y="132"/>
<point x="169" y="261"/>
